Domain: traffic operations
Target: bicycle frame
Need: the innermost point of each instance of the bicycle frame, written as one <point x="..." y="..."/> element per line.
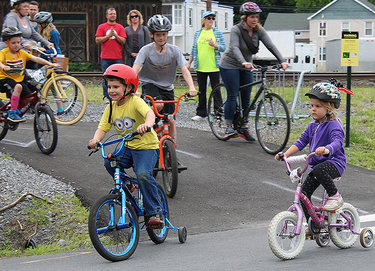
<point x="163" y="131"/>
<point x="312" y="209"/>
<point x="121" y="178"/>
<point x="261" y="90"/>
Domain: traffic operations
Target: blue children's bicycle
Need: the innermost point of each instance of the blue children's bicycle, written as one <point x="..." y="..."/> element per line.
<point x="113" y="221"/>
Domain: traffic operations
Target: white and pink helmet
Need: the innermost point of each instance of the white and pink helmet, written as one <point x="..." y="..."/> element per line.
<point x="249" y="8"/>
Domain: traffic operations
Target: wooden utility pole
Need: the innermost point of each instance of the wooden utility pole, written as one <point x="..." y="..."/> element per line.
<point x="209" y="5"/>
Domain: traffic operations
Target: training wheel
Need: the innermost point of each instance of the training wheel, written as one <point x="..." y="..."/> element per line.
<point x="366" y="237"/>
<point x="322" y="239"/>
<point x="182" y="234"/>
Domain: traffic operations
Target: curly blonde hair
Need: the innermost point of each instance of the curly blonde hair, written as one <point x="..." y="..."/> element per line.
<point x="46" y="31"/>
<point x="136" y="12"/>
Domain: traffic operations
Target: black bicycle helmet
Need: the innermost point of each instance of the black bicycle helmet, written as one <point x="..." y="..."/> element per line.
<point x="325" y="92"/>
<point x="159" y="23"/>
<point x="10" y="32"/>
<point x="249" y="8"/>
<point x="43" y="17"/>
<point x="14" y="3"/>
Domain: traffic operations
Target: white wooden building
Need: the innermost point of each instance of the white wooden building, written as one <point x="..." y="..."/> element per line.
<point x="186" y="18"/>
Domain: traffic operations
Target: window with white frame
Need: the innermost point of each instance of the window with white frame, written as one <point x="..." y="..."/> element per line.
<point x="190" y="17"/>
<point x="322" y="29"/>
<point x="322" y="54"/>
<point x="345" y="26"/>
<point x="166" y="10"/>
<point x="177" y="14"/>
<point x="369" y="26"/>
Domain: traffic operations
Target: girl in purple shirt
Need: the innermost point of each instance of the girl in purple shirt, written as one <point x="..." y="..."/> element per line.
<point x="324" y="133"/>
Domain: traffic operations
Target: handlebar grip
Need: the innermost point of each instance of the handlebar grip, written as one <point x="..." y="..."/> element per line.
<point x="296" y="159"/>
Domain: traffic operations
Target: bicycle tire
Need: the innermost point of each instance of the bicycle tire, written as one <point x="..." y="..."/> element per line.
<point x="342" y="237"/>
<point x="158" y="236"/>
<point x="280" y="241"/>
<point x="170" y="173"/>
<point x="45" y="127"/>
<point x="3" y="124"/>
<point x="75" y="103"/>
<point x="111" y="242"/>
<point x="272" y="123"/>
<point x="215" y="109"/>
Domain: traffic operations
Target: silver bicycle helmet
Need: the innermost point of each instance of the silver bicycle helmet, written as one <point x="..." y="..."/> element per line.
<point x="43" y="17"/>
<point x="249" y="8"/>
<point x="159" y="23"/>
<point x="325" y="92"/>
<point x="10" y="32"/>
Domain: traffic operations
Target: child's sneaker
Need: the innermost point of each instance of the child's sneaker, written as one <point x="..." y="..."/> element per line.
<point x="14" y="117"/>
<point x="230" y="132"/>
<point x="333" y="203"/>
<point x="244" y="133"/>
<point x="154" y="221"/>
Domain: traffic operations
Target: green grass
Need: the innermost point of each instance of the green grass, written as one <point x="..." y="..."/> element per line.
<point x="66" y="216"/>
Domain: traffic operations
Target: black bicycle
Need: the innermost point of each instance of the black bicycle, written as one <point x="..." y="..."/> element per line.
<point x="272" y="120"/>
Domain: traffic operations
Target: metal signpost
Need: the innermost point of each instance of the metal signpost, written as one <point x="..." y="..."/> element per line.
<point x="349" y="58"/>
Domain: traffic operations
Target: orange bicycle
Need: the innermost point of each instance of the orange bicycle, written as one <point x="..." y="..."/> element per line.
<point x="167" y="162"/>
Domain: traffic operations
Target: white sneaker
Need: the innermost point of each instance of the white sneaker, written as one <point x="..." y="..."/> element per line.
<point x="197" y="118"/>
<point x="333" y="203"/>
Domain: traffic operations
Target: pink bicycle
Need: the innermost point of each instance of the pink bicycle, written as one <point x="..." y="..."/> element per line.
<point x="286" y="232"/>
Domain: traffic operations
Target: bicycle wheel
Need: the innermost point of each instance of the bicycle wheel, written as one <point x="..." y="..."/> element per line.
<point x="272" y="123"/>
<point x="342" y="237"/>
<point x="281" y="239"/>
<point x="3" y="123"/>
<point x="45" y="130"/>
<point x="158" y="236"/>
<point x="70" y="95"/>
<point x="215" y="109"/>
<point x="170" y="174"/>
<point x="113" y="238"/>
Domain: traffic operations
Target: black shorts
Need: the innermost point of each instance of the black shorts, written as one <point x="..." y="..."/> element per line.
<point x="160" y="94"/>
<point x="7" y="86"/>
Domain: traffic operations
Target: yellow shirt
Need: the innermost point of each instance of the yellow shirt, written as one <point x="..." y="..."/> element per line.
<point x="17" y="61"/>
<point x="126" y="118"/>
<point x="206" y="52"/>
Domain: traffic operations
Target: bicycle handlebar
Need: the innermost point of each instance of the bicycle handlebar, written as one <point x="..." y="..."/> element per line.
<point x="126" y="138"/>
<point x="44" y="53"/>
<point x="177" y="102"/>
<point x="296" y="159"/>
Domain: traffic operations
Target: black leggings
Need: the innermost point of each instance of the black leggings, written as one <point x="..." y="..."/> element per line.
<point x="322" y="174"/>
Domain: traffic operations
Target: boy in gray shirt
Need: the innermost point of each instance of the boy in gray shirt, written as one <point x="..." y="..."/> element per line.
<point x="157" y="64"/>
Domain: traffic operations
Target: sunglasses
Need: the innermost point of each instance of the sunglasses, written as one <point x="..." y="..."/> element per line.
<point x="210" y="18"/>
<point x="135" y="16"/>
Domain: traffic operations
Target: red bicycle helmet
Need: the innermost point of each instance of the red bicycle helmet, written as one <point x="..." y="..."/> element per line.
<point x="124" y="72"/>
<point x="249" y="8"/>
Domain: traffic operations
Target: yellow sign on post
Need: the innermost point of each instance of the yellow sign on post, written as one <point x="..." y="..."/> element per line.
<point x="349" y="49"/>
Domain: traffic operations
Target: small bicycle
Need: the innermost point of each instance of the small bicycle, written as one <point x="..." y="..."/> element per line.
<point x="45" y="126"/>
<point x="272" y="120"/>
<point x="113" y="221"/>
<point x="168" y="162"/>
<point x="60" y="90"/>
<point x="286" y="233"/>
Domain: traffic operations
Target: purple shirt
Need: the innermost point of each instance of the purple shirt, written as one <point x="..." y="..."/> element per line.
<point x="329" y="134"/>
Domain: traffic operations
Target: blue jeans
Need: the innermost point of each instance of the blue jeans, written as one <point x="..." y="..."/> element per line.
<point x="106" y="62"/>
<point x="233" y="79"/>
<point x="143" y="162"/>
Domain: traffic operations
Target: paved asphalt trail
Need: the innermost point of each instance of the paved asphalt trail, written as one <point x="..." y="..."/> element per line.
<point x="231" y="189"/>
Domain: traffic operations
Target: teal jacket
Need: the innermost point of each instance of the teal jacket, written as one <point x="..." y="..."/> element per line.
<point x="219" y="41"/>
